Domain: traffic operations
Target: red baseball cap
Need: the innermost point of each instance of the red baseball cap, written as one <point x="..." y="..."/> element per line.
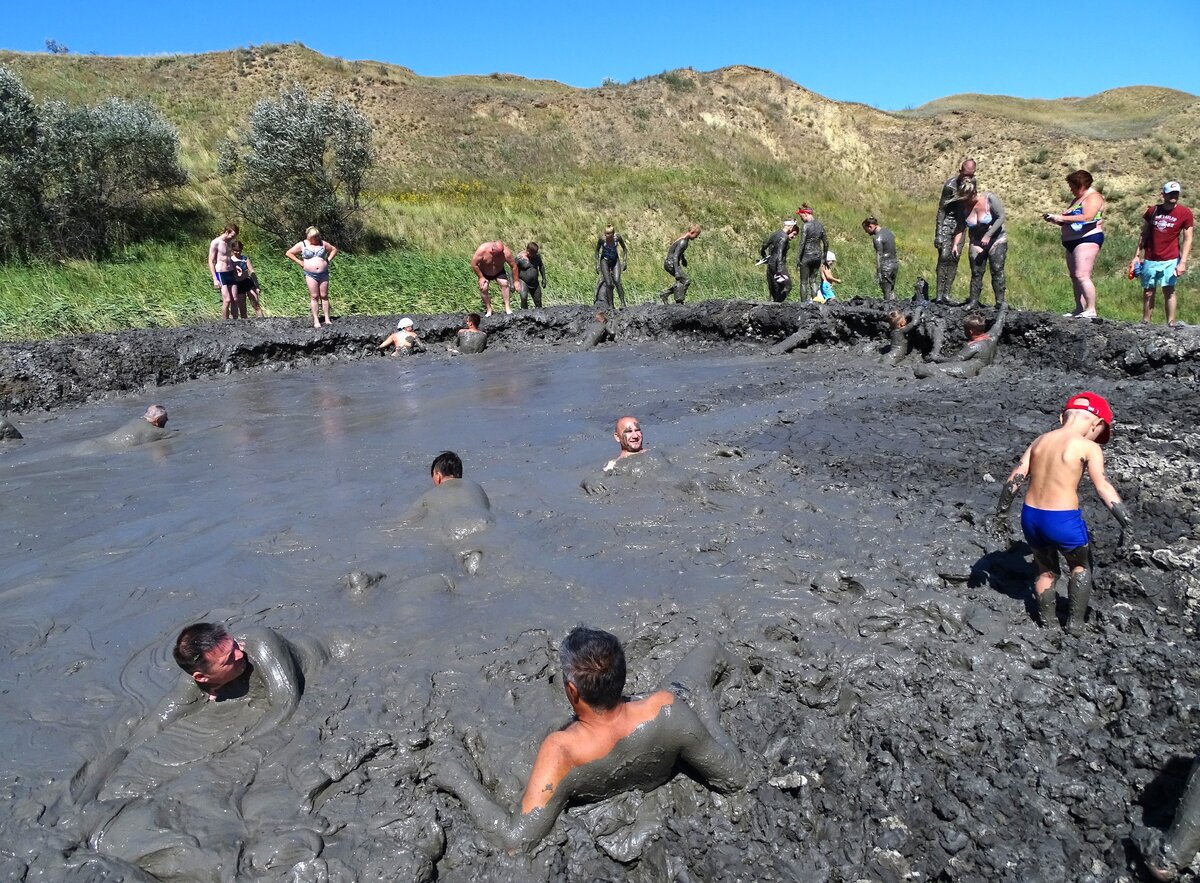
<point x="1094" y="404"/>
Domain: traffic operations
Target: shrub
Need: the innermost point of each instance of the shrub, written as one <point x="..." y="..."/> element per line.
<point x="301" y="161"/>
<point x="1152" y="153"/>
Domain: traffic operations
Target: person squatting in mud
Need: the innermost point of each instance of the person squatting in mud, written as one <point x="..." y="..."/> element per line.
<point x="674" y="263"/>
<point x="612" y="744"/>
<point x="978" y="353"/>
<point x="774" y="253"/>
<point x="814" y="246"/>
<point x="902" y="328"/>
<point x="609" y="268"/>
<point x="887" y="264"/>
<point x="531" y="278"/>
<point x="951" y="217"/>
<point x="1050" y="517"/>
<point x="987" y="240"/>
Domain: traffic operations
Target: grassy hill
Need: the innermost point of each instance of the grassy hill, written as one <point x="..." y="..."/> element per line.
<point x="465" y="159"/>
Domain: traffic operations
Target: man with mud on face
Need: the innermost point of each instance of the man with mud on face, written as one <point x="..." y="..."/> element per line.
<point x="612" y="744"/>
<point x="628" y="433"/>
<point x="1051" y="518"/>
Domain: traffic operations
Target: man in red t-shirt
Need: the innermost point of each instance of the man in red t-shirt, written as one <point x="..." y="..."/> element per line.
<point x="1163" y="227"/>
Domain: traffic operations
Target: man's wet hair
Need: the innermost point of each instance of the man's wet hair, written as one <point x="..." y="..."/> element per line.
<point x="474" y="319"/>
<point x="448" y="464"/>
<point x="897" y="318"/>
<point x="869" y="220"/>
<point x="195" y="641"/>
<point x="1080" y="178"/>
<point x="532" y="248"/>
<point x="974" y="324"/>
<point x="594" y="662"/>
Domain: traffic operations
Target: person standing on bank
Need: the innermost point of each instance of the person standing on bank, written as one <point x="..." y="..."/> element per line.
<point x="674" y="263"/>
<point x="313" y="255"/>
<point x="814" y="245"/>
<point x="532" y="276"/>
<point x="951" y="215"/>
<point x="610" y="268"/>
<point x="1166" y="244"/>
<point x="774" y="254"/>
<point x="887" y="263"/>
<point x="1082" y="235"/>
<point x="987" y="241"/>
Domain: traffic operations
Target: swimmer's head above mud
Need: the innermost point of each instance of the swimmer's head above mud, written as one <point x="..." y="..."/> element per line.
<point x="446" y="466"/>
<point x="207" y="652"/>
<point x="628" y="434"/>
<point x="593" y="666"/>
<point x="156" y="415"/>
<point x="897" y="319"/>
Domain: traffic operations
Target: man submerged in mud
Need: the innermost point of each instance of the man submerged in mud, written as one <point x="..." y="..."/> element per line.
<point x="979" y="352"/>
<point x="628" y="433"/>
<point x="456" y="507"/>
<point x="612" y="744"/>
<point x="1051" y="518"/>
<point x="470" y="340"/>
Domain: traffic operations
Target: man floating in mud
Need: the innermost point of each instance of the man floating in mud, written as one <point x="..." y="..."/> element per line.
<point x="150" y="427"/>
<point x="1051" y="518"/>
<point x="613" y="744"/>
<point x="456" y="507"/>
<point x="979" y="352"/>
<point x="257" y="664"/>
<point x="628" y="433"/>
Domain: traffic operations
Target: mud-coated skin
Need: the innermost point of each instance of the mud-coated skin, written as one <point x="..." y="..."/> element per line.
<point x="775" y="251"/>
<point x="8" y="432"/>
<point x="687" y="731"/>
<point x="470" y="342"/>
<point x="595" y="335"/>
<point x="813" y="246"/>
<point x="610" y="272"/>
<point x="951" y="215"/>
<point x="887" y="264"/>
<point x="532" y="272"/>
<point x="900" y="340"/>
<point x="454" y="510"/>
<point x="991" y="256"/>
<point x="1174" y="852"/>
<point x="674" y="263"/>
<point x="827" y="329"/>
<point x="973" y="357"/>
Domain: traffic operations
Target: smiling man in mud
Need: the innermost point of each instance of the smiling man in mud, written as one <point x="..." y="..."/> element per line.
<point x="612" y="744"/>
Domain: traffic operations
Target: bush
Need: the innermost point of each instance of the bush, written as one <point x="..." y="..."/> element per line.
<point x="75" y="181"/>
<point x="301" y="161"/>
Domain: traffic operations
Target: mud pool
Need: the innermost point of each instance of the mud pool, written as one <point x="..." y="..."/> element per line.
<point x="903" y="716"/>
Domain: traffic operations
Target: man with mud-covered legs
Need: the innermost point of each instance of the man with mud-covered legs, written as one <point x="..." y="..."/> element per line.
<point x="951" y="217"/>
<point x="814" y="245"/>
<point x="887" y="263"/>
<point x="774" y="254"/>
<point x="1051" y="518"/>
<point x="674" y="263"/>
<point x="612" y="744"/>
<point x="609" y="267"/>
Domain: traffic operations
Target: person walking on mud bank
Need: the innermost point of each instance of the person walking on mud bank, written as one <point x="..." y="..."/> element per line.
<point x="488" y="265"/>
<point x="1082" y="235"/>
<point x="313" y="255"/>
<point x="826" y="293"/>
<point x="987" y="246"/>
<point x="814" y="245"/>
<point x="609" y="268"/>
<point x="979" y="352"/>
<point x="773" y="253"/>
<point x="222" y="270"/>
<point x="532" y="276"/>
<point x="887" y="264"/>
<point x="1050" y="517"/>
<point x="674" y="264"/>
<point x="612" y="744"/>
<point x="1166" y="243"/>
<point x="951" y="215"/>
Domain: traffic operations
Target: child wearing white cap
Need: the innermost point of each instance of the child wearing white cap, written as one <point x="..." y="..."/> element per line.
<point x="826" y="292"/>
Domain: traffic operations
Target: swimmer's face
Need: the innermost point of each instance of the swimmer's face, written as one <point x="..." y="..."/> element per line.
<point x="629" y="435"/>
<point x="223" y="664"/>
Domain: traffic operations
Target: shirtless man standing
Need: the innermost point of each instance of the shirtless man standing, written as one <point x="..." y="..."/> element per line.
<point x="488" y="266"/>
<point x="1051" y="518"/>
<point x="613" y="744"/>
<point x="221" y="268"/>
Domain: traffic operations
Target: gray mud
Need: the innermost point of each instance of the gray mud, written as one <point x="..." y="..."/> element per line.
<point x="903" y="716"/>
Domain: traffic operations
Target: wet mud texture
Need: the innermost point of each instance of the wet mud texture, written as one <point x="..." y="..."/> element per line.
<point x="902" y="714"/>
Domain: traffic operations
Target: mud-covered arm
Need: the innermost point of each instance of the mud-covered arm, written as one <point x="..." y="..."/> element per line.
<point x="714" y="759"/>
<point x="273" y="660"/>
<point x="997" y="210"/>
<point x="541" y="268"/>
<point x="1104" y="489"/>
<point x="1012" y="484"/>
<point x="624" y="251"/>
<point x="948" y="195"/>
<point x="997" y="328"/>
<point x="595" y="485"/>
<point x="599" y="246"/>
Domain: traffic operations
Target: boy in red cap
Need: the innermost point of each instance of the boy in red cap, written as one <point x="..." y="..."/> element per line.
<point x="1051" y="518"/>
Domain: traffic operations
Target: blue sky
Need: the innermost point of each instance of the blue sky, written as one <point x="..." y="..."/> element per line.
<point x="891" y="55"/>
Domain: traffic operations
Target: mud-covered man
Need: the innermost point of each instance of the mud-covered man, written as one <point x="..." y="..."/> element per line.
<point x="628" y="433"/>
<point x="773" y="253"/>
<point x="1050" y="517"/>
<point x="887" y="262"/>
<point x="488" y="265"/>
<point x="470" y="339"/>
<point x="902" y="326"/>
<point x="978" y="353"/>
<point x="674" y="263"/>
<point x="951" y="219"/>
<point x="612" y="744"/>
<point x="814" y="245"/>
<point x="457" y="507"/>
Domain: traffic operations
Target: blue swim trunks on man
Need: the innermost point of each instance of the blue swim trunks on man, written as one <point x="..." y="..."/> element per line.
<point x="1156" y="273"/>
<point x="1053" y="528"/>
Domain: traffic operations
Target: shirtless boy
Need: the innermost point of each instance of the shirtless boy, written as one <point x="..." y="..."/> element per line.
<point x="222" y="270"/>
<point x="1051" y="518"/>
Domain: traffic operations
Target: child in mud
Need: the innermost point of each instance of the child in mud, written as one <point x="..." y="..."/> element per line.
<point x="979" y="352"/>
<point x="612" y="744"/>
<point x="1051" y="518"/>
<point x="404" y="339"/>
<point x="247" y="282"/>
<point x="902" y="327"/>
<point x="826" y="292"/>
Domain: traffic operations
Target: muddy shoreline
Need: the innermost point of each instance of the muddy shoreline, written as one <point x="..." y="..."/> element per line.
<point x="47" y="374"/>
<point x="903" y="716"/>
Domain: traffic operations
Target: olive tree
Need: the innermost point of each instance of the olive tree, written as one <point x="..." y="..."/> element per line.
<point x="301" y="160"/>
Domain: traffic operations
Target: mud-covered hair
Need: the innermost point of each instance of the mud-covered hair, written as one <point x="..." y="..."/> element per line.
<point x="195" y="641"/>
<point x="974" y="324"/>
<point x="155" y="413"/>
<point x="594" y="662"/>
<point x="1080" y="178"/>
<point x="532" y="248"/>
<point x="447" y="463"/>
<point x="896" y="318"/>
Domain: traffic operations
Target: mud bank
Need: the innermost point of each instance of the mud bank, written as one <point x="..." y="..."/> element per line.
<point x="45" y="374"/>
<point x="903" y="716"/>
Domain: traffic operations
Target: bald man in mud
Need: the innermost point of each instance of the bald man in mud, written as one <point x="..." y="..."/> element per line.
<point x="488" y="266"/>
<point x="612" y="744"/>
<point x="1051" y="518"/>
<point x="628" y="433"/>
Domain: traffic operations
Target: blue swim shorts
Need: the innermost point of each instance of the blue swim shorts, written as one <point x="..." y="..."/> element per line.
<point x="1061" y="529"/>
<point x="226" y="277"/>
<point x="1155" y="273"/>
